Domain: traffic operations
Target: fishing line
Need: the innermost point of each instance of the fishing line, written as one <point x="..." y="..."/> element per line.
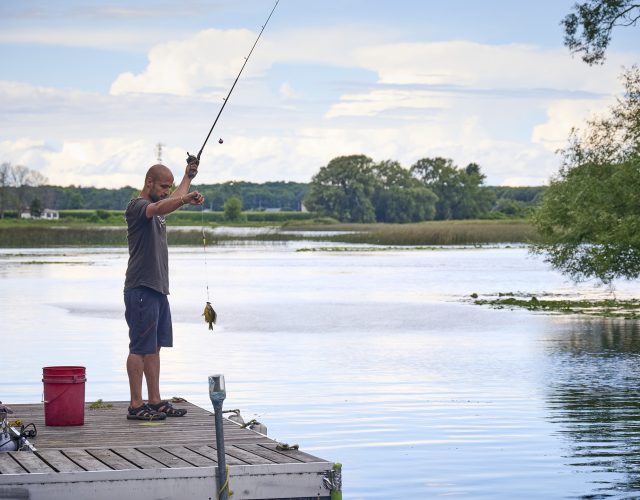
<point x="209" y="314"/>
<point x="204" y="252"/>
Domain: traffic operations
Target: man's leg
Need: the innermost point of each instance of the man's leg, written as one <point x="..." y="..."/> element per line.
<point x="152" y="375"/>
<point x="135" y="370"/>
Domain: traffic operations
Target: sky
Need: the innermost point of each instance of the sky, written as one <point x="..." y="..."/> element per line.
<point x="88" y="89"/>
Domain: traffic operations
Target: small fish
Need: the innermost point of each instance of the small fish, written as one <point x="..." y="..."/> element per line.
<point x="210" y="315"/>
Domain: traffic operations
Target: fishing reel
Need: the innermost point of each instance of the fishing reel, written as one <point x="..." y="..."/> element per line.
<point x="196" y="159"/>
<point x="192" y="163"/>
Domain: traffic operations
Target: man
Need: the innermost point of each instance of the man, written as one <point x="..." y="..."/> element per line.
<point x="147" y="285"/>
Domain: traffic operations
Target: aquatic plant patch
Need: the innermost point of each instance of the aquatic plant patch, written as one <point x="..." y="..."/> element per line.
<point x="612" y="308"/>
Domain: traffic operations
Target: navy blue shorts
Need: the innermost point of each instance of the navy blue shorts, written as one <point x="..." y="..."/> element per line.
<point x="149" y="318"/>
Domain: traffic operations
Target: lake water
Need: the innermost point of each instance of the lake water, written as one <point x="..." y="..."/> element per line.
<point x="374" y="359"/>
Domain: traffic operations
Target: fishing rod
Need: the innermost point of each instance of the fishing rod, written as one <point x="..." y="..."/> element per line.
<point x="191" y="158"/>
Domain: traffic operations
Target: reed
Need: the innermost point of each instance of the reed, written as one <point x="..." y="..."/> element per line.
<point x="20" y="235"/>
<point x="99" y="236"/>
<point x="35" y="236"/>
<point x="433" y="233"/>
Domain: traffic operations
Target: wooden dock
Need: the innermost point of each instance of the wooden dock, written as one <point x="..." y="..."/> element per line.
<point x="111" y="457"/>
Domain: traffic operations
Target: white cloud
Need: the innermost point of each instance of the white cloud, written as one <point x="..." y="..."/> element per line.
<point x="504" y="107"/>
<point x="376" y="101"/>
<point x="108" y="162"/>
<point x="565" y="115"/>
<point x="465" y="77"/>
<point x="210" y="58"/>
<point x="479" y="66"/>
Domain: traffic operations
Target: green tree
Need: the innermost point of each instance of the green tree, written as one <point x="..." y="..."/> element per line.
<point x="590" y="214"/>
<point x="613" y="138"/>
<point x="441" y="176"/>
<point x="474" y="199"/>
<point x="588" y="29"/>
<point x="343" y="190"/>
<point x="590" y="221"/>
<point x="509" y="207"/>
<point x="233" y="209"/>
<point x="461" y="193"/>
<point x="75" y="199"/>
<point x="399" y="197"/>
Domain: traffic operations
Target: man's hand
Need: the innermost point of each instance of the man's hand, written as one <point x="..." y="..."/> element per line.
<point x="192" y="166"/>
<point x="193" y="198"/>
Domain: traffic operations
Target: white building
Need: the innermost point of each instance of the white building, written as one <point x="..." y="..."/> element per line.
<point x="49" y="214"/>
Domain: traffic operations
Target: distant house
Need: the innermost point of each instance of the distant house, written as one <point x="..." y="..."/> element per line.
<point x="272" y="210"/>
<point x="49" y="214"/>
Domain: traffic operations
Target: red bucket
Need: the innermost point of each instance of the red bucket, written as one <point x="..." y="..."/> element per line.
<point x="63" y="395"/>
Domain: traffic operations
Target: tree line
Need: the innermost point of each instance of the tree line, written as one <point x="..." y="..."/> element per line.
<point x="348" y="189"/>
<point x="357" y="189"/>
<point x="23" y="189"/>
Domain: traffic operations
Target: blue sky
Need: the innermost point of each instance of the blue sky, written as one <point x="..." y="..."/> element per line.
<point x="87" y="89"/>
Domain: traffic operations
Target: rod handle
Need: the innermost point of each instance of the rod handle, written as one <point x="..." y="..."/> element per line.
<point x="192" y="169"/>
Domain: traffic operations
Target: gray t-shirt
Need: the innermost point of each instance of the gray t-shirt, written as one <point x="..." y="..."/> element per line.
<point x="148" y="252"/>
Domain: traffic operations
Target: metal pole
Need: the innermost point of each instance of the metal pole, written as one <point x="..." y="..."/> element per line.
<point x="223" y="486"/>
<point x="217" y="393"/>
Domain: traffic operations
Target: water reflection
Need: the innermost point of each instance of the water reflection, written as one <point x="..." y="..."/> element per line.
<point x="594" y="397"/>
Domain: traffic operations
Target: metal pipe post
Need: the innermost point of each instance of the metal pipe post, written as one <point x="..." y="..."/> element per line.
<point x="217" y="393"/>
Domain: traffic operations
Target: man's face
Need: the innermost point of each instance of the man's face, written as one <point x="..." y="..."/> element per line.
<point x="161" y="187"/>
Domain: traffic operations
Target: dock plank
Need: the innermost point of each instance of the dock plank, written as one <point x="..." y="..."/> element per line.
<point x="138" y="458"/>
<point x="164" y="457"/>
<point x="247" y="456"/>
<point x="59" y="461"/>
<point x="212" y="453"/>
<point x="195" y="459"/>
<point x="294" y="454"/>
<point x="32" y="462"/>
<point x="84" y="460"/>
<point x="8" y="465"/>
<point x="113" y="460"/>
<point x="270" y="454"/>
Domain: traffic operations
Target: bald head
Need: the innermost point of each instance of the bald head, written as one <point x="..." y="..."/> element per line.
<point x="156" y="172"/>
<point x="157" y="183"/>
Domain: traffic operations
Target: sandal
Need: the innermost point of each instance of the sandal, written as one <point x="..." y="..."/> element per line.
<point x="145" y="412"/>
<point x="168" y="409"/>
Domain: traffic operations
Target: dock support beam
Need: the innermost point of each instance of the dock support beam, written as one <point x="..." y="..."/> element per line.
<point x="217" y="393"/>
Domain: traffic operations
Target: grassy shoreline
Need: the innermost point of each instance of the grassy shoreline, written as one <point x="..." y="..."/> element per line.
<point x="35" y="234"/>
